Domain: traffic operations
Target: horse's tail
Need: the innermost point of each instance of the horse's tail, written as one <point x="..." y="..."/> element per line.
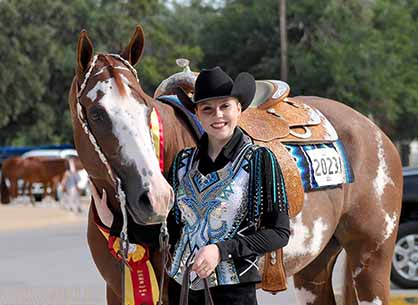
<point x="4" y="190"/>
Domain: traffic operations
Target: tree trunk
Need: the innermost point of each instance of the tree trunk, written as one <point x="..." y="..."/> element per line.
<point x="283" y="40"/>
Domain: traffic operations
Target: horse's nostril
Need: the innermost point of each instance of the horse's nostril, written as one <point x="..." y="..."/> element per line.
<point x="144" y="200"/>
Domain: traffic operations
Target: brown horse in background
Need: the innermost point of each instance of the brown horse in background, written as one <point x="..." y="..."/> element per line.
<point x="12" y="169"/>
<point x="111" y="115"/>
<point x="48" y="171"/>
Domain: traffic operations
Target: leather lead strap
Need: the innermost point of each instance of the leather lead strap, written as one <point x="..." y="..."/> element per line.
<point x="164" y="248"/>
<point x="184" y="295"/>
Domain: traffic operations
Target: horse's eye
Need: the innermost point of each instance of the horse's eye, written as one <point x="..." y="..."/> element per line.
<point x="96" y="114"/>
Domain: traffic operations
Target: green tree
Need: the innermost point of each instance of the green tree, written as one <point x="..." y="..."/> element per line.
<point x="362" y="53"/>
<point x="37" y="54"/>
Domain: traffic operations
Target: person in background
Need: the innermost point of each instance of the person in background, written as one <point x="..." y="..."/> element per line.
<point x="71" y="193"/>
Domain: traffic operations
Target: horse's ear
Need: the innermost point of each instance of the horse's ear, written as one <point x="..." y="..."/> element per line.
<point x="134" y="50"/>
<point x="84" y="54"/>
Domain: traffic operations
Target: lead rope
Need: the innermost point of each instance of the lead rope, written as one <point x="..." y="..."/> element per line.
<point x="164" y="248"/>
<point x="124" y="242"/>
<point x="184" y="294"/>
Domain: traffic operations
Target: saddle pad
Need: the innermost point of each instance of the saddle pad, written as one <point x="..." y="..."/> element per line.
<point x="190" y="118"/>
<point x="322" y="165"/>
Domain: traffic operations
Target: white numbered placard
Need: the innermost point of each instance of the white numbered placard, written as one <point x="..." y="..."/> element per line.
<point x="327" y="166"/>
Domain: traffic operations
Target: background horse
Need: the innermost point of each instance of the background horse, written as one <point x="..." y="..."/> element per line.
<point x="111" y="119"/>
<point x="48" y="171"/>
<point x="11" y="170"/>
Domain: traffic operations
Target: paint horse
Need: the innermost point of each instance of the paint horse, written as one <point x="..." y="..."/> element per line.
<point x="111" y="117"/>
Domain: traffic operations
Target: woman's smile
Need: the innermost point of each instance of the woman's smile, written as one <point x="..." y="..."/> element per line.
<point x="218" y="125"/>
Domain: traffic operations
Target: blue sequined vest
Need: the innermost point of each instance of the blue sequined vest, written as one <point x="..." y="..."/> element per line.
<point x="211" y="207"/>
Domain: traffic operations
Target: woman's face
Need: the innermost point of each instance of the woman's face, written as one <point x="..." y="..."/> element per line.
<point x="219" y="117"/>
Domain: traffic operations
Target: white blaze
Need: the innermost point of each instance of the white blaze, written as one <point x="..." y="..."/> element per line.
<point x="130" y="125"/>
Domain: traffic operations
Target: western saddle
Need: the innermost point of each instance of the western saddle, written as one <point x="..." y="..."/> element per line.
<point x="273" y="119"/>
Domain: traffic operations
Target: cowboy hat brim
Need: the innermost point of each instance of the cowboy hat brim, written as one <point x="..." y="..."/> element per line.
<point x="243" y="90"/>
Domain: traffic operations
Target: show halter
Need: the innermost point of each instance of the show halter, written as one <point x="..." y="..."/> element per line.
<point x="120" y="249"/>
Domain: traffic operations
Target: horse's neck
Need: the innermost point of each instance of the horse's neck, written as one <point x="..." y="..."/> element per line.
<point x="176" y="133"/>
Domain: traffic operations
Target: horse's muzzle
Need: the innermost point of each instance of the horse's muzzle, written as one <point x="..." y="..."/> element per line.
<point x="142" y="211"/>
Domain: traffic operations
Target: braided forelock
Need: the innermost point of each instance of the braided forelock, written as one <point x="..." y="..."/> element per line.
<point x="115" y="74"/>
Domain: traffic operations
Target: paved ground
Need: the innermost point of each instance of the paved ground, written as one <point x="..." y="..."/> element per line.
<point x="44" y="259"/>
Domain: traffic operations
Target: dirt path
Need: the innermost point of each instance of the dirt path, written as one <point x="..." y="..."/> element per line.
<point x="22" y="215"/>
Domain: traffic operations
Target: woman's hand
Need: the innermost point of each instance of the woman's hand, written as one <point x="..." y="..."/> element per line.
<point x="206" y="260"/>
<point x="105" y="215"/>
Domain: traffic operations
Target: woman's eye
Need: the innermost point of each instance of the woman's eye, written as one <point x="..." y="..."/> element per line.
<point x="225" y="106"/>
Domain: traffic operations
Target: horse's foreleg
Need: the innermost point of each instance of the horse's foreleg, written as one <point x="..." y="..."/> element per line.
<point x="313" y="284"/>
<point x="54" y="189"/>
<point x="32" y="200"/>
<point x="24" y="188"/>
<point x="46" y="184"/>
<point x="107" y="265"/>
<point x="14" y="189"/>
<point x="349" y="297"/>
<point x="111" y="297"/>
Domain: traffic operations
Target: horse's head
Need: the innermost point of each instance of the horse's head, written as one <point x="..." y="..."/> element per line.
<point x="111" y="120"/>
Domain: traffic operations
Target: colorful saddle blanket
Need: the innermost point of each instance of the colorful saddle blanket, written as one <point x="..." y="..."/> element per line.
<point x="321" y="165"/>
<point x="190" y="118"/>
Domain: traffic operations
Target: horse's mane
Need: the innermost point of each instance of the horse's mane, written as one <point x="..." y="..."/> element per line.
<point x="115" y="74"/>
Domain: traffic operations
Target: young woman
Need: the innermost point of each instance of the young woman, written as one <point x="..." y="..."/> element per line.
<point x="230" y="205"/>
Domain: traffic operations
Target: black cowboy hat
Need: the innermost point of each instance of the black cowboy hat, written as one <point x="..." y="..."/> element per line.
<point x="214" y="84"/>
